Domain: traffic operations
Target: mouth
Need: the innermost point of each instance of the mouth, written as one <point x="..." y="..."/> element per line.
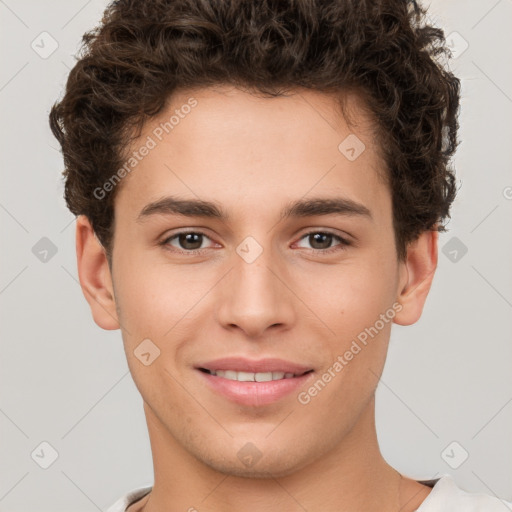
<point x="244" y="376"/>
<point x="254" y="388"/>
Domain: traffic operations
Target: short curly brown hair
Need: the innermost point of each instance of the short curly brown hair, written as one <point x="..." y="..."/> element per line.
<point x="143" y="50"/>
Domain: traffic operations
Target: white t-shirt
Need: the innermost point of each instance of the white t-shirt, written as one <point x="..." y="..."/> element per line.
<point x="445" y="496"/>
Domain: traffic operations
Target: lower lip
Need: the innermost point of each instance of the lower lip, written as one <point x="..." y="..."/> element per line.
<point x="255" y="393"/>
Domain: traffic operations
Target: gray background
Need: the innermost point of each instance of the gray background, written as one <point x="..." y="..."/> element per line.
<point x="65" y="381"/>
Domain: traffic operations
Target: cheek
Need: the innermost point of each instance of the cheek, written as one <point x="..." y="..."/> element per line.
<point x="350" y="297"/>
<point x="351" y="306"/>
<point x="153" y="298"/>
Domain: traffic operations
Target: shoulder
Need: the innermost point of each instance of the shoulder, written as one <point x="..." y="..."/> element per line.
<point x="128" y="499"/>
<point x="447" y="496"/>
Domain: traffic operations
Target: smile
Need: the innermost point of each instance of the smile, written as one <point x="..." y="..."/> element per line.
<point x="254" y="389"/>
<point x="242" y="376"/>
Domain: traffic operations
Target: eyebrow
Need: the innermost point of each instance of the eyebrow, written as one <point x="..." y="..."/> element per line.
<point x="300" y="208"/>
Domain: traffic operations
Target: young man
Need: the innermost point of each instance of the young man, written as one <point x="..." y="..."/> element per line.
<point x="259" y="187"/>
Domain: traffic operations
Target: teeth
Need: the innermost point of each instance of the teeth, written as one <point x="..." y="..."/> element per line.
<point x="251" y="377"/>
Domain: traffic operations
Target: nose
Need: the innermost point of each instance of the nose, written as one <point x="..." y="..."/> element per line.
<point x="255" y="296"/>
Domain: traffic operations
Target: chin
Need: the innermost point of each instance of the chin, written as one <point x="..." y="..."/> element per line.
<point x="276" y="465"/>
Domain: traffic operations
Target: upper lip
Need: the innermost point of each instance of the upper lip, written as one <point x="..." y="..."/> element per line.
<point x="255" y="366"/>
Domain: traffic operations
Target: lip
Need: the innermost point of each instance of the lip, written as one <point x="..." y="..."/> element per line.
<point x="262" y="365"/>
<point x="254" y="394"/>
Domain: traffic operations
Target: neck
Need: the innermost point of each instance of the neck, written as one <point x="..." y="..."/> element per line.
<point x="352" y="476"/>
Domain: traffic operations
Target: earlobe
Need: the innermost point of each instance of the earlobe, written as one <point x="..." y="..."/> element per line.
<point x="94" y="275"/>
<point x="418" y="271"/>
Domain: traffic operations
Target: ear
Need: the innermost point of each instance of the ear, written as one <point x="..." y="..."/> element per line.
<point x="94" y="275"/>
<point x="417" y="273"/>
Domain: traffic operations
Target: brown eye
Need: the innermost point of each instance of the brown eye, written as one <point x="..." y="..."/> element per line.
<point x="190" y="241"/>
<point x="321" y="241"/>
<point x="185" y="241"/>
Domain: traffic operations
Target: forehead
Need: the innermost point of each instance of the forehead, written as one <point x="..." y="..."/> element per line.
<point x="231" y="145"/>
<point x="252" y="117"/>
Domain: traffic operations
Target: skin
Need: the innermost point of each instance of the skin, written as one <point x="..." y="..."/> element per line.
<point x="253" y="156"/>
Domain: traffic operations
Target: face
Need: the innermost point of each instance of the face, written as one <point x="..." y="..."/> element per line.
<point x="262" y="273"/>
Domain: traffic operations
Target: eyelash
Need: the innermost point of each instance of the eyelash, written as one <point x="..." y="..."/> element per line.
<point x="340" y="247"/>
